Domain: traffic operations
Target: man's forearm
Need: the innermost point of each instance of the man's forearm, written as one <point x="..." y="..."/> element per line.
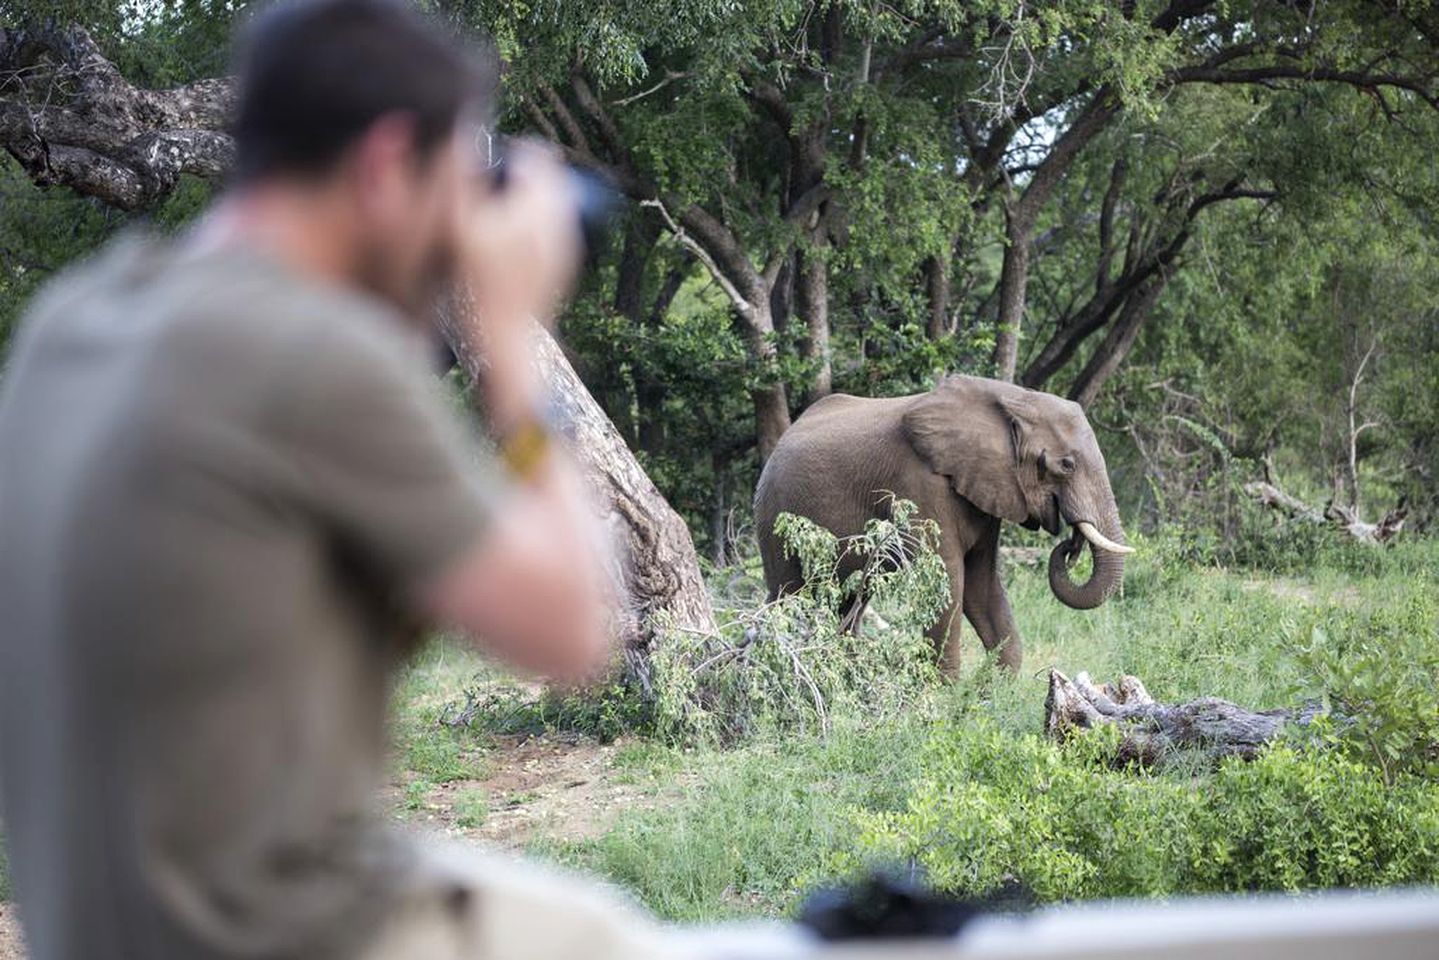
<point x="514" y="390"/>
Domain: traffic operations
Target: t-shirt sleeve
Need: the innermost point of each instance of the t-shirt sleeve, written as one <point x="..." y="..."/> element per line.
<point x="385" y="459"/>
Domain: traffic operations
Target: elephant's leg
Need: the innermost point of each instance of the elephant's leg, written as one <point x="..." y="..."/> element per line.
<point x="945" y="632"/>
<point x="851" y="611"/>
<point x="985" y="603"/>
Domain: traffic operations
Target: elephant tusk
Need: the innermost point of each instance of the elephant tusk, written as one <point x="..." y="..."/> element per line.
<point x="1099" y="540"/>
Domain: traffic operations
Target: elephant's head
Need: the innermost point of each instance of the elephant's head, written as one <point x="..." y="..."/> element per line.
<point x="1029" y="457"/>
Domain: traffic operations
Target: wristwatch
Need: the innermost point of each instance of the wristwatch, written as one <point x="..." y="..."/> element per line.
<point x="525" y="448"/>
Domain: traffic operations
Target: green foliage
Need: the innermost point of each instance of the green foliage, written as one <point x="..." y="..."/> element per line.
<point x="793" y="663"/>
<point x="1380" y="673"/>
<point x="990" y="807"/>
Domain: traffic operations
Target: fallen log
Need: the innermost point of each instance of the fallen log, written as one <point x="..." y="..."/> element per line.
<point x="1150" y="731"/>
<point x="1342" y="518"/>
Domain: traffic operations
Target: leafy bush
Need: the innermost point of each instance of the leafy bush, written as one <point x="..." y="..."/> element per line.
<point x="991" y="809"/>
<point x="1380" y="672"/>
<point x="790" y="664"/>
<point x="786" y="666"/>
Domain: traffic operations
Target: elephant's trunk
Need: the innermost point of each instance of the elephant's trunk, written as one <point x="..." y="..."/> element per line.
<point x="1108" y="570"/>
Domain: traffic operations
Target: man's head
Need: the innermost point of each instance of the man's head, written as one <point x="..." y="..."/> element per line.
<point x="365" y="101"/>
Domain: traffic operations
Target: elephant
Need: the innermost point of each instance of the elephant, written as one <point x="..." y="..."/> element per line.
<point x="969" y="453"/>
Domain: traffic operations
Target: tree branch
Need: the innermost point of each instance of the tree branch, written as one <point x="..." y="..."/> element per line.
<point x="72" y="119"/>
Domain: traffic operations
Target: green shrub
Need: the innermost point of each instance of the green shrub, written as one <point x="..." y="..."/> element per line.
<point x="785" y="666"/>
<point x="991" y="808"/>
<point x="792" y="664"/>
<point x="1380" y="671"/>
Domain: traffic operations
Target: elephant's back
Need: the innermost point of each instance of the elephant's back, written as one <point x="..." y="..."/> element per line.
<point x="841" y="425"/>
<point x="827" y="465"/>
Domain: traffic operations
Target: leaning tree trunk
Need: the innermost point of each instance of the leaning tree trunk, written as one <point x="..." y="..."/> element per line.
<point x="658" y="569"/>
<point x="1150" y="731"/>
<point x="71" y="119"/>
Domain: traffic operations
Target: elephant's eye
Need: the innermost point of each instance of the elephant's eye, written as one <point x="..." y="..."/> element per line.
<point x="1059" y="467"/>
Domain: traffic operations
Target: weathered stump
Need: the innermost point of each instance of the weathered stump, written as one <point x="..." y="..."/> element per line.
<point x="1150" y="730"/>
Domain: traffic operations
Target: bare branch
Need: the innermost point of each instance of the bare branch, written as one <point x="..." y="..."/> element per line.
<point x="741" y="304"/>
<point x="670" y="77"/>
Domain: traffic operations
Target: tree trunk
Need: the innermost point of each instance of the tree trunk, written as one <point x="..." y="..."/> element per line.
<point x="104" y="141"/>
<point x="771" y="417"/>
<point x="1013" y="282"/>
<point x="1118" y="342"/>
<point x="936" y="271"/>
<point x="1021" y="216"/>
<point x="813" y="302"/>
<point x="1341" y="517"/>
<point x="1151" y="731"/>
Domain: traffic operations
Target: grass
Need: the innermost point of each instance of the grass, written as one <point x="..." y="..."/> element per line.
<point x="427" y="749"/>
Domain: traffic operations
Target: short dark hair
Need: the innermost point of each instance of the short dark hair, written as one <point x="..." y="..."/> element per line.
<point x="315" y="74"/>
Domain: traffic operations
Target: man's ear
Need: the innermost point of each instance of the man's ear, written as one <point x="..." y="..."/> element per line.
<point x="382" y="158"/>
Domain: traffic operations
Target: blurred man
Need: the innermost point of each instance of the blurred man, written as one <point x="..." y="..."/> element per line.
<point x="228" y="490"/>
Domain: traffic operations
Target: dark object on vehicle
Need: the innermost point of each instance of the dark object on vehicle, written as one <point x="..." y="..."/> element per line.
<point x="885" y="905"/>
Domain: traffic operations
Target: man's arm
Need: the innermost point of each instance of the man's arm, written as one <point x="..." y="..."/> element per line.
<point x="532" y="590"/>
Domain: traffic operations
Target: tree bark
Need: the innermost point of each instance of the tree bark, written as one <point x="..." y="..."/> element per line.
<point x="1341" y="517"/>
<point x="128" y="146"/>
<point x="1152" y="731"/>
<point x="1118" y="342"/>
<point x="70" y="118"/>
<point x="936" y="270"/>
<point x="813" y="301"/>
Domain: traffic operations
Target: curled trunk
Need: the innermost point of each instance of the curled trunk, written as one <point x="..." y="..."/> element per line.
<point x="1106" y="577"/>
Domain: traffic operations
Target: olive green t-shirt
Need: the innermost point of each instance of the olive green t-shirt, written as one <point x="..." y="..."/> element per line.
<point x="219" y="483"/>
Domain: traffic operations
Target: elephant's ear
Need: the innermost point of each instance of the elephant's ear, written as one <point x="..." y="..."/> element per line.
<point x="972" y="430"/>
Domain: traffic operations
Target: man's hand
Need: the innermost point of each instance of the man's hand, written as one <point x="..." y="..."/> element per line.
<point x="519" y="252"/>
<point x="521" y="245"/>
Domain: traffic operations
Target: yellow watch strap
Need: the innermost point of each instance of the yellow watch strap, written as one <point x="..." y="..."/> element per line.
<point x="525" y="448"/>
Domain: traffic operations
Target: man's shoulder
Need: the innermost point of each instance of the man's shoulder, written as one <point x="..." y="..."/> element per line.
<point x="220" y="322"/>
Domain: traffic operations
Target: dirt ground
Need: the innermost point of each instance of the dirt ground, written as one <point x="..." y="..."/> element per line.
<point x="558" y="788"/>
